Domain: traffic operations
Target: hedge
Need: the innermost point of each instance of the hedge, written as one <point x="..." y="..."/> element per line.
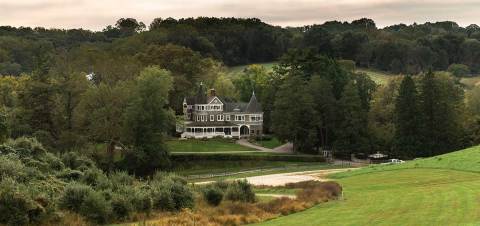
<point x="236" y="157"/>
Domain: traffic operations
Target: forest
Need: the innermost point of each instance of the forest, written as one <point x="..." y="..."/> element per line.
<point x="71" y="99"/>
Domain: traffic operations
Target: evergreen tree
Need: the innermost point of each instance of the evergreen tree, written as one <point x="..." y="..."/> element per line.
<point x="407" y="138"/>
<point x="293" y="114"/>
<point x="351" y="134"/>
<point x="441" y="107"/>
<point x="325" y="109"/>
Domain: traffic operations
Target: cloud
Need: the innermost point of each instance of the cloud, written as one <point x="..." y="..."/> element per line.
<point x="97" y="14"/>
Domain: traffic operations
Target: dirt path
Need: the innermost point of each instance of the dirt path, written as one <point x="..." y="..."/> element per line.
<point x="276" y="195"/>
<point x="285" y="178"/>
<point x="286" y="148"/>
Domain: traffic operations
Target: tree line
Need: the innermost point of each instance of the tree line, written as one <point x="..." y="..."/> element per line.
<point x="125" y="84"/>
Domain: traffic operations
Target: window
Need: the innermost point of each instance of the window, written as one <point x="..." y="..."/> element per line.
<point x="227" y="117"/>
<point x="255" y="118"/>
<point x="212" y="118"/>
<point x="203" y="108"/>
<point x="203" y="118"/>
<point x="219" y="117"/>
<point x="239" y="117"/>
<point x="198" y="118"/>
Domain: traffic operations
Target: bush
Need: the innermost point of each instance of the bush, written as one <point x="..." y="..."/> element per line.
<point x="142" y="201"/>
<point x="26" y="146"/>
<point x="11" y="166"/>
<point x="70" y="175"/>
<point x="240" y="190"/>
<point x="93" y="177"/>
<point x="74" y="195"/>
<point x="121" y="206"/>
<point x="95" y="208"/>
<point x="213" y="195"/>
<point x="16" y="207"/>
<point x="170" y="192"/>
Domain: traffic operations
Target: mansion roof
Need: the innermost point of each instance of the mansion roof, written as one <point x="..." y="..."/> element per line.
<point x="230" y="105"/>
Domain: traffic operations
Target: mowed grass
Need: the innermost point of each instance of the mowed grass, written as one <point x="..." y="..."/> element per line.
<point x="441" y="190"/>
<point x="379" y="77"/>
<point x="211" y="145"/>
<point x="404" y="197"/>
<point x="236" y="70"/>
<point x="272" y="143"/>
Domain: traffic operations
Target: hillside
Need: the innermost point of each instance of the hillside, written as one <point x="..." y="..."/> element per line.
<point x="441" y="190"/>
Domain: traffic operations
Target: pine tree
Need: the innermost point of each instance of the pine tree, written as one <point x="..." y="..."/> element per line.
<point x="351" y="135"/>
<point x="293" y="114"/>
<point x="325" y="109"/>
<point x="441" y="108"/>
<point x="407" y="138"/>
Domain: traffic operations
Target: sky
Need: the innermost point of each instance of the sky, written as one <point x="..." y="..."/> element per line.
<point x="97" y="14"/>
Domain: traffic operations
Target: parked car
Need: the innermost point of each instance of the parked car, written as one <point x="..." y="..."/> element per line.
<point x="394" y="161"/>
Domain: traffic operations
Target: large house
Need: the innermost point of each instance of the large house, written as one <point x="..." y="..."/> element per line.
<point x="208" y="116"/>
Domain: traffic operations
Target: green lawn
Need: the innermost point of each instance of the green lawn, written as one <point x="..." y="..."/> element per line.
<point x="236" y="70"/>
<point x="272" y="143"/>
<point x="211" y="145"/>
<point x="442" y="190"/>
<point x="380" y="77"/>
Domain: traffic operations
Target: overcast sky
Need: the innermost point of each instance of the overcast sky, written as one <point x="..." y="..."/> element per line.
<point x="97" y="14"/>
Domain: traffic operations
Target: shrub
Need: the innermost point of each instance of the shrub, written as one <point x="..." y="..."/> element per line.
<point x="74" y="195"/>
<point x="16" y="207"/>
<point x="240" y="190"/>
<point x="11" y="166"/>
<point x="142" y="201"/>
<point x="93" y="177"/>
<point x="120" y="178"/>
<point x="121" y="206"/>
<point x="213" y="195"/>
<point x="95" y="208"/>
<point x="171" y="193"/>
<point x="70" y="175"/>
<point x="75" y="161"/>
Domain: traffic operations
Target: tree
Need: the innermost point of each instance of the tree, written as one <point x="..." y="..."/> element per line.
<point x="407" y="139"/>
<point x="147" y="120"/>
<point x="442" y="105"/>
<point x="351" y="134"/>
<point x="459" y="70"/>
<point x="381" y="117"/>
<point x="129" y="26"/>
<point x="325" y="110"/>
<point x="293" y="114"/>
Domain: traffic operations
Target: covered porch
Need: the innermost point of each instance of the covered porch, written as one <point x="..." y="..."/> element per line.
<point x="210" y="130"/>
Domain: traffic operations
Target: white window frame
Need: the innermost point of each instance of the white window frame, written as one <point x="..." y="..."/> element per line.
<point x="212" y="118"/>
<point x="198" y="118"/>
<point x="227" y="117"/>
<point x="239" y="117"/>
<point x="220" y="118"/>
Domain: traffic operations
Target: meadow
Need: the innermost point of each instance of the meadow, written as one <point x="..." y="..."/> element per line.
<point x="441" y="190"/>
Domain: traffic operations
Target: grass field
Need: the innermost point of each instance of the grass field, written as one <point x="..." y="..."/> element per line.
<point x="379" y="77"/>
<point x="442" y="190"/>
<point x="211" y="145"/>
<point x="272" y="143"/>
<point x="235" y="71"/>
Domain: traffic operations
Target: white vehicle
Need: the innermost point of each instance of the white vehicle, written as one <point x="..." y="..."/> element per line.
<point x="394" y="161"/>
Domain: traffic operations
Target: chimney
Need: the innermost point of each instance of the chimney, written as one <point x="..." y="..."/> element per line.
<point x="213" y="93"/>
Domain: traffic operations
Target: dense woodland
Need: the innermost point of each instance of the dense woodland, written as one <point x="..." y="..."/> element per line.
<point x="71" y="100"/>
<point x="75" y="88"/>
